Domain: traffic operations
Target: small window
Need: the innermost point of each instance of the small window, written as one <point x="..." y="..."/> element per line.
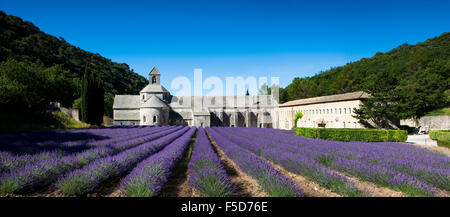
<point x="145" y="119"/>
<point x="153" y="79"/>
<point x="154" y="119"/>
<point x="143" y="96"/>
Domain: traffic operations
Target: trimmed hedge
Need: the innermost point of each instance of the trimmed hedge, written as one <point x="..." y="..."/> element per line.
<point x="443" y="143"/>
<point x="442" y="137"/>
<point x="343" y="134"/>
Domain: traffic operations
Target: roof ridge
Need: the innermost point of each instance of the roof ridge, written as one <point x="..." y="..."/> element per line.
<point x="154" y="71"/>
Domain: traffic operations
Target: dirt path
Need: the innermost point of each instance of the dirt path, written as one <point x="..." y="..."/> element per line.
<point x="371" y="189"/>
<point x="244" y="185"/>
<point x="109" y="189"/>
<point x="177" y="184"/>
<point x="43" y="192"/>
<point x="374" y="190"/>
<point x="310" y="188"/>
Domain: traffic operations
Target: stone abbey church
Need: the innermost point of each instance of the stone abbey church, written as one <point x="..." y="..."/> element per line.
<point x="156" y="106"/>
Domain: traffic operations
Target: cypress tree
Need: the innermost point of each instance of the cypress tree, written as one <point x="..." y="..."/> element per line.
<point x="98" y="101"/>
<point x="85" y="96"/>
<point x="92" y="97"/>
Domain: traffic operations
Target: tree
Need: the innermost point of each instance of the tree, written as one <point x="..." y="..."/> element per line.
<point x="28" y="88"/>
<point x="298" y="115"/>
<point x="263" y="90"/>
<point x="92" y="97"/>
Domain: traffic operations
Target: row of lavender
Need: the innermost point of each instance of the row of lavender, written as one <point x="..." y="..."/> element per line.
<point x="84" y="180"/>
<point x="64" y="140"/>
<point x="43" y="172"/>
<point x="271" y="180"/>
<point x="413" y="170"/>
<point x="148" y="177"/>
<point x="296" y="163"/>
<point x="401" y="166"/>
<point x="9" y="161"/>
<point x="206" y="173"/>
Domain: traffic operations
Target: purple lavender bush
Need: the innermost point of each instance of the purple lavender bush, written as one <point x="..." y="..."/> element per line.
<point x="271" y="180"/>
<point x="206" y="173"/>
<point x="10" y="161"/>
<point x="149" y="176"/>
<point x="412" y="170"/>
<point x="294" y="162"/>
<point x="82" y="181"/>
<point x="44" y="172"/>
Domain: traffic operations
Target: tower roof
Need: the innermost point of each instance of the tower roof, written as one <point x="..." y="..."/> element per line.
<point x="154" y="102"/>
<point x="154" y="71"/>
<point x="154" y="88"/>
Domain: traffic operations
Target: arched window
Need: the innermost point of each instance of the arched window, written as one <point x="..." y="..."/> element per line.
<point x="154" y="119"/>
<point x="145" y="119"/>
<point x="153" y="79"/>
<point x="143" y="96"/>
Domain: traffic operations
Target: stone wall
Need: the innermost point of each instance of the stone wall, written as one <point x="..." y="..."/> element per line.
<point x="73" y="113"/>
<point x="431" y="122"/>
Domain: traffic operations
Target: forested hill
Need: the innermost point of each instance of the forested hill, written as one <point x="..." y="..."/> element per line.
<point x="418" y="73"/>
<point x="402" y="63"/>
<point x="22" y="41"/>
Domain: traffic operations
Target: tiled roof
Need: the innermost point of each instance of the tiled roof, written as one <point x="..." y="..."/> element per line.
<point x="126" y="102"/>
<point x="154" y="102"/>
<point x="325" y="99"/>
<point x="154" y="88"/>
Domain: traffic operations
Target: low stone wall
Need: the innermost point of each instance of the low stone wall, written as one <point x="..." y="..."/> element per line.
<point x="73" y="113"/>
<point x="432" y="122"/>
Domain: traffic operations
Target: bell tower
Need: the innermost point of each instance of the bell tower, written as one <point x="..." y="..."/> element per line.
<point x="153" y="76"/>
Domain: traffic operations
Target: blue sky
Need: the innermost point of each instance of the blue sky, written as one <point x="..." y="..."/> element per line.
<point x="236" y="38"/>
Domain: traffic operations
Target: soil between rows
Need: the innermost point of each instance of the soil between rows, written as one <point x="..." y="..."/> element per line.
<point x="244" y="185"/>
<point x="177" y="184"/>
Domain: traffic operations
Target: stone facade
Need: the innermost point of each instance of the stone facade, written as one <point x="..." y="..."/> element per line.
<point x="156" y="106"/>
<point x="335" y="111"/>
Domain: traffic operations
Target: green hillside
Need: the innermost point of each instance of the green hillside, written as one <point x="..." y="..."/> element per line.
<point x="23" y="44"/>
<point x="411" y="79"/>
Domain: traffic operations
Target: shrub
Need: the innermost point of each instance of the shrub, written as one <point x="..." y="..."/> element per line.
<point x="443" y="143"/>
<point x="298" y="115"/>
<point x="443" y="135"/>
<point x="366" y="135"/>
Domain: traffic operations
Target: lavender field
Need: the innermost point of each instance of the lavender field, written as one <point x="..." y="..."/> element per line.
<point x="213" y="162"/>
